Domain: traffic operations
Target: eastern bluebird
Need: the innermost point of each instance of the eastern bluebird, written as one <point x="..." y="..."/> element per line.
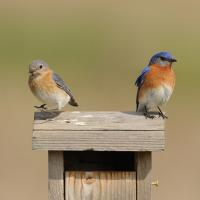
<point x="48" y="87"/>
<point x="155" y="84"/>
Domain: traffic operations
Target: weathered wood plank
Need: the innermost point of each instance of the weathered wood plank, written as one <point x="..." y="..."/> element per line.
<point x="100" y="186"/>
<point x="99" y="140"/>
<point x="143" y="167"/>
<point x="95" y="121"/>
<point x="56" y="175"/>
<point x="100" y="131"/>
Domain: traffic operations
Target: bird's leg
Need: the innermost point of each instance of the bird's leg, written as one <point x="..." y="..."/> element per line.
<point x="147" y="114"/>
<point x="42" y="107"/>
<point x="161" y="114"/>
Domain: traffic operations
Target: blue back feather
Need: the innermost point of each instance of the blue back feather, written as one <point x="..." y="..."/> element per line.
<point x="140" y="79"/>
<point x="139" y="82"/>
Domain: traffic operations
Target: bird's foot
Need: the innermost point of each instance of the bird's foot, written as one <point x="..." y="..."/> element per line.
<point x="160" y="114"/>
<point x="148" y="115"/>
<point x="42" y="108"/>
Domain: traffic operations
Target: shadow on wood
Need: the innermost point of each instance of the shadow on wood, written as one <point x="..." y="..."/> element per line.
<point x="98" y="161"/>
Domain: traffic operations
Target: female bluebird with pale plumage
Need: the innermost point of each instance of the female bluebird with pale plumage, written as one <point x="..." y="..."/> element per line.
<point x="155" y="84"/>
<point x="48" y="87"/>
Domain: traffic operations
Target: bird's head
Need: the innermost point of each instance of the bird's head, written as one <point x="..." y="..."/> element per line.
<point x="37" y="67"/>
<point x="163" y="59"/>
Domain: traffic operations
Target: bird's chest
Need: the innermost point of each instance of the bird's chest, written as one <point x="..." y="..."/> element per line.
<point x="48" y="92"/>
<point x="157" y="87"/>
<point x="158" y="96"/>
<point x="159" y="76"/>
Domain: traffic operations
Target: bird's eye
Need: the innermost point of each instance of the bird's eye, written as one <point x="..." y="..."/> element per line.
<point x="41" y="66"/>
<point x="162" y="58"/>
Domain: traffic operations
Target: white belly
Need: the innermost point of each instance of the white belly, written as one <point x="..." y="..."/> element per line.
<point x="155" y="97"/>
<point x="53" y="100"/>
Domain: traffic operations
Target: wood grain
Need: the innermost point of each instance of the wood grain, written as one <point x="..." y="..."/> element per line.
<point x="100" y="131"/>
<point x="100" y="186"/>
<point x="99" y="140"/>
<point x="85" y="121"/>
<point x="144" y="167"/>
<point x="56" y="175"/>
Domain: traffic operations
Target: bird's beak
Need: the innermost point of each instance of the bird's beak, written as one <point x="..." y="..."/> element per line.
<point x="173" y="60"/>
<point x="31" y="69"/>
<point x="31" y="72"/>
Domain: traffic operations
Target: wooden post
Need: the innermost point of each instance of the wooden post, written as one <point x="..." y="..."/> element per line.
<point x="91" y="154"/>
<point x="56" y="175"/>
<point x="143" y="168"/>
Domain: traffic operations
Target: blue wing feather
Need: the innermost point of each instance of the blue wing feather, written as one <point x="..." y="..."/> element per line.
<point x="140" y="79"/>
<point x="139" y="82"/>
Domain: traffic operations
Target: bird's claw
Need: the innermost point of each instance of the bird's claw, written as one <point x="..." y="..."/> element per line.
<point x="43" y="107"/>
<point x="149" y="116"/>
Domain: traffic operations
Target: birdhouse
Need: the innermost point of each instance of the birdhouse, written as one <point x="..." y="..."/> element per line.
<point x="98" y="155"/>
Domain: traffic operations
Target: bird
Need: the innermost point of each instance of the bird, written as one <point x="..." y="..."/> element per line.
<point x="155" y="84"/>
<point x="49" y="87"/>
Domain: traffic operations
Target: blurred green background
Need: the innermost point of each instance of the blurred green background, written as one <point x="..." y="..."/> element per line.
<point x="99" y="48"/>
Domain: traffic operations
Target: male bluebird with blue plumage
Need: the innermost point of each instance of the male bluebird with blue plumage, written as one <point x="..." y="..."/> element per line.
<point x="155" y="84"/>
<point x="48" y="87"/>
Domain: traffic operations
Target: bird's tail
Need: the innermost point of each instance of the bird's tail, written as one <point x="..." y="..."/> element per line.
<point x="73" y="102"/>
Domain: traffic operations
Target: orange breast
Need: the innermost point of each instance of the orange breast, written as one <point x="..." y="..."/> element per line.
<point x="43" y="82"/>
<point x="156" y="77"/>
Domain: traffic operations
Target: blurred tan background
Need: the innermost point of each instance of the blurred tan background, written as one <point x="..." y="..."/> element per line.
<point x="99" y="48"/>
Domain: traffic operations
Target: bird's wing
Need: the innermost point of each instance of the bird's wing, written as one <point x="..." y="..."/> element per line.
<point x="139" y="81"/>
<point x="61" y="84"/>
<point x="140" y="78"/>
